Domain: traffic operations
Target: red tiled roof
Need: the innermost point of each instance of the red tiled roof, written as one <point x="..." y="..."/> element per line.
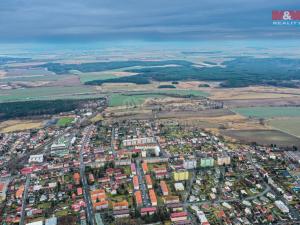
<point x="178" y="214"/>
<point x="148" y="209"/>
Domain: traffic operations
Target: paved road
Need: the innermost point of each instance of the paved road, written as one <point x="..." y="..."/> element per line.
<point x="143" y="188"/>
<point x="191" y="182"/>
<point x="112" y="142"/>
<point x="87" y="197"/>
<point x="24" y="199"/>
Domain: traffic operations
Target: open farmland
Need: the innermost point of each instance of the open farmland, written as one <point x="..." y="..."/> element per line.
<point x="19" y="125"/>
<point x="288" y="125"/>
<point x="195" y="93"/>
<point x="268" y="112"/>
<point x="138" y="98"/>
<point x="130" y="100"/>
<point x="85" y="77"/>
<point x="263" y="137"/>
<point x="47" y="93"/>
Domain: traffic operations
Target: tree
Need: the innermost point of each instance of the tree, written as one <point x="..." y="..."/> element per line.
<point x="262" y="121"/>
<point x="58" y="186"/>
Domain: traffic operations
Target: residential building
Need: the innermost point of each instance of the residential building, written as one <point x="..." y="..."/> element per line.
<point x="135" y="181"/>
<point x="207" y="162"/>
<point x="138" y="198"/>
<point x="171" y="199"/>
<point x="148" y="181"/>
<point x="120" y="205"/>
<point x="190" y="164"/>
<point x="223" y="160"/>
<point x="36" y="158"/>
<point x="181" y="175"/>
<point x="138" y="141"/>
<point x="148" y="211"/>
<point x="178" y="216"/>
<point x="164" y="188"/>
<point x="145" y="167"/>
<point x="133" y="169"/>
<point x="153" y="198"/>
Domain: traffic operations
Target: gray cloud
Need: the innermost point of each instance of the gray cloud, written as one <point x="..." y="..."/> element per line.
<point x="139" y="19"/>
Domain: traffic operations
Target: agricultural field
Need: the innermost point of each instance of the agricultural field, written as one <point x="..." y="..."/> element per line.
<point x="250" y="93"/>
<point x="196" y="93"/>
<point x="64" y="121"/>
<point x="288" y="125"/>
<point x="47" y="93"/>
<point x="103" y="75"/>
<point x="138" y="98"/>
<point x="85" y="77"/>
<point x="268" y="112"/>
<point x="130" y="100"/>
<point x="263" y="137"/>
<point x="19" y="125"/>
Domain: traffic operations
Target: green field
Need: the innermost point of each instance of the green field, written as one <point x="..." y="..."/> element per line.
<point x="64" y="121"/>
<point x="130" y="100"/>
<point x="268" y="112"/>
<point x="33" y="78"/>
<point x="95" y="76"/>
<point x="85" y="77"/>
<point x="47" y="93"/>
<point x="184" y="92"/>
<point x="288" y="125"/>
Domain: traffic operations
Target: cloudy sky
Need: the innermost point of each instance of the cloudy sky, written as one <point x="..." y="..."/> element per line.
<point x="178" y="20"/>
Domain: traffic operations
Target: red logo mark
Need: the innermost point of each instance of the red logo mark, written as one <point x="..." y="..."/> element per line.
<point x="286" y="15"/>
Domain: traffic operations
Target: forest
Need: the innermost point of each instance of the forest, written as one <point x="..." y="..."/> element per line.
<point x="233" y="72"/>
<point x="239" y="72"/>
<point x="103" y="66"/>
<point x="10" y="110"/>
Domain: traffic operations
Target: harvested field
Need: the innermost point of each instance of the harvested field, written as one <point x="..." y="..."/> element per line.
<point x="259" y="92"/>
<point x="263" y="137"/>
<point x="67" y="81"/>
<point x="227" y="122"/>
<point x="19" y="125"/>
<point x="195" y="122"/>
<point x="288" y="125"/>
<point x="204" y="113"/>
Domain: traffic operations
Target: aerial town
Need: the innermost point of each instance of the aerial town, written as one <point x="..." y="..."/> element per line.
<point x="142" y="171"/>
<point x="158" y="112"/>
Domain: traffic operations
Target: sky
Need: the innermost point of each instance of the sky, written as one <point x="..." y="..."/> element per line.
<point x="151" y="20"/>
